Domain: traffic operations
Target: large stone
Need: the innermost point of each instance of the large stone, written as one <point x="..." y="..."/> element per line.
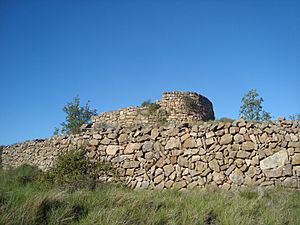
<point x="209" y="141"/>
<point x="154" y="133"/>
<point x="159" y="178"/>
<point x="149" y="155"/>
<point x="172" y="132"/>
<point x="243" y="154"/>
<point x="131" y="164"/>
<point x="172" y="143"/>
<point x="112" y="149"/>
<point x="189" y="143"/>
<point x="226" y="139"/>
<point x="168" y="169"/>
<point x="123" y="138"/>
<point x="273" y="172"/>
<point x="105" y="141"/>
<point x="184" y="137"/>
<point x="196" y="158"/>
<point x="290" y="182"/>
<point x="182" y="161"/>
<point x="274" y="161"/>
<point x="230" y="169"/>
<point x="209" y="134"/>
<point x="219" y="155"/>
<point x="251" y="171"/>
<point x="214" y="165"/>
<point x="132" y="147"/>
<point x="148" y="146"/>
<point x="94" y="142"/>
<point x="237" y="177"/>
<point x="180" y="184"/>
<point x="218" y="177"/>
<point x="200" y="166"/>
<point x="238" y="138"/>
<point x="296" y="159"/>
<point x="248" y="146"/>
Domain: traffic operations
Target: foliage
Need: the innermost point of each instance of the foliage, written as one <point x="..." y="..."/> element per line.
<point x="152" y="107"/>
<point x="76" y="116"/>
<point x="251" y="108"/>
<point x="163" y="121"/>
<point x="56" y="131"/>
<point x="73" y="171"/>
<point x="146" y="103"/>
<point x="295" y="117"/>
<point x="225" y="120"/>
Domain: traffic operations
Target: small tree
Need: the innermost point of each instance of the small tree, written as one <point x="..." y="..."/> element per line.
<point x="252" y="109"/>
<point x="76" y="116"/>
<point x="295" y="117"/>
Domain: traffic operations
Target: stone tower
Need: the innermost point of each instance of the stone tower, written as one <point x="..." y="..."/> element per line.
<point x="186" y="106"/>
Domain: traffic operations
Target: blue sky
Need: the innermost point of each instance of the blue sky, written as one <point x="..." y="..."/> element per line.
<point x="119" y="53"/>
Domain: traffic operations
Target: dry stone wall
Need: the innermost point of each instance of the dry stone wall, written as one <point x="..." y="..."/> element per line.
<point x="225" y="155"/>
<point x="174" y="107"/>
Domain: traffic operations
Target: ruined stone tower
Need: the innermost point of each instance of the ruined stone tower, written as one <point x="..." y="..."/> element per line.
<point x="173" y="107"/>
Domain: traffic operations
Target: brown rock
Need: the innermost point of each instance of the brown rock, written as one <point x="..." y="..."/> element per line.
<point x="189" y="143"/>
<point x="154" y="133"/>
<point x="182" y="161"/>
<point x="243" y="154"/>
<point x="159" y="178"/>
<point x="172" y="143"/>
<point x="168" y="169"/>
<point x="214" y="165"/>
<point x="131" y="164"/>
<point x="94" y="142"/>
<point x="112" y="149"/>
<point x="248" y="146"/>
<point x="226" y="139"/>
<point x="218" y="177"/>
<point x="238" y="138"/>
<point x="296" y="159"/>
<point x="184" y="137"/>
<point x="219" y="155"/>
<point x="147" y="146"/>
<point x="180" y="184"/>
<point x="132" y="147"/>
<point x="209" y="141"/>
<point x="105" y="141"/>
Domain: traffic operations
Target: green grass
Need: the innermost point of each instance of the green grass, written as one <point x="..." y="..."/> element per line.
<point x="31" y="202"/>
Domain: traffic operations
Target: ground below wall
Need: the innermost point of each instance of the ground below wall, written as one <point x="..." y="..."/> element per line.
<point x="227" y="155"/>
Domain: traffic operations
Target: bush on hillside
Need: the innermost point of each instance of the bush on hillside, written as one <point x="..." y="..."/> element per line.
<point x="73" y="171"/>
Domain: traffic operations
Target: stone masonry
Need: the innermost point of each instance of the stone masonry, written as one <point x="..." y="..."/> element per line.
<point x="226" y="155"/>
<point x="174" y="107"/>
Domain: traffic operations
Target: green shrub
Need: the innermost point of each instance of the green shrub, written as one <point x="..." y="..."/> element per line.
<point x="73" y="171"/>
<point x="25" y="174"/>
<point x="226" y="120"/>
<point x="146" y="103"/>
<point x="163" y="121"/>
<point x="152" y="107"/>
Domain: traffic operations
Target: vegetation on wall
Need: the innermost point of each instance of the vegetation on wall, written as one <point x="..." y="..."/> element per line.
<point x="251" y="108"/>
<point x="76" y="116"/>
<point x="73" y="170"/>
<point x="295" y="117"/>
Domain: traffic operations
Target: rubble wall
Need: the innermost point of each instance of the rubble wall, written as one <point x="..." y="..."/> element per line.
<point x="225" y="155"/>
<point x="173" y="107"/>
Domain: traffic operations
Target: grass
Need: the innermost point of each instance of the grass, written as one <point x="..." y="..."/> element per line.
<point x="31" y="202"/>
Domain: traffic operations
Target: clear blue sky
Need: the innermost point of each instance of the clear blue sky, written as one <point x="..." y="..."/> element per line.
<point x="119" y="53"/>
